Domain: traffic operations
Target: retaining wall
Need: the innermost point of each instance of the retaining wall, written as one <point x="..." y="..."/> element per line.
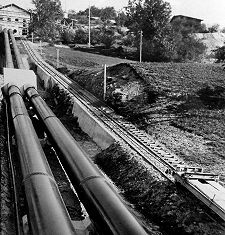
<point x="88" y="123"/>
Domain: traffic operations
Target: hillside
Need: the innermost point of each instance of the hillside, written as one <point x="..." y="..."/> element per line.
<point x="181" y="105"/>
<point x="211" y="40"/>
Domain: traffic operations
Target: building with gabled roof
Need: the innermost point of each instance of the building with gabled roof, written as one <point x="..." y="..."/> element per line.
<point x="15" y="18"/>
<point x="187" y="18"/>
<point x="190" y="23"/>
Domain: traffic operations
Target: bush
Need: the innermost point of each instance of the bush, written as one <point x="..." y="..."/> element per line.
<point x="67" y="36"/>
<point x="189" y="49"/>
<point x="128" y="40"/>
<point x="219" y="54"/>
<point x="156" y="51"/>
<point x="95" y="37"/>
<point x="81" y="37"/>
<point x="107" y="37"/>
<point x="214" y="28"/>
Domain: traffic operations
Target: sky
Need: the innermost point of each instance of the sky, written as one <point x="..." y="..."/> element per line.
<point x="211" y="11"/>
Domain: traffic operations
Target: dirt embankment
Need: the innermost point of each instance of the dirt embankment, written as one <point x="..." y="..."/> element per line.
<point x="159" y="201"/>
<point x="181" y="105"/>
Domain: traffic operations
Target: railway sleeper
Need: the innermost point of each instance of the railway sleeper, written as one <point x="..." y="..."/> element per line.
<point x="182" y="168"/>
<point x="199" y="176"/>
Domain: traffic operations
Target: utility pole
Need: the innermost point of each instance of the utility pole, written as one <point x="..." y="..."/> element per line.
<point x="57" y="58"/>
<point x="141" y="35"/>
<point x="41" y="47"/>
<point x="89" y="28"/>
<point x="104" y="83"/>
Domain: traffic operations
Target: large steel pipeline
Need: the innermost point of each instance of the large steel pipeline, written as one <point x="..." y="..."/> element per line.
<point x="16" y="51"/>
<point x="47" y="211"/>
<point x="8" y="55"/>
<point x="103" y="204"/>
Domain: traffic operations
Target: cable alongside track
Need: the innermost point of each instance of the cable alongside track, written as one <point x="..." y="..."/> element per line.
<point x="203" y="185"/>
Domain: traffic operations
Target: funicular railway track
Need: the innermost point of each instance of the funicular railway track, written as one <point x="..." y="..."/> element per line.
<point x="204" y="186"/>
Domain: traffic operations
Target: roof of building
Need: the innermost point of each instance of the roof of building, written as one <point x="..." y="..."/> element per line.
<point x="187" y="17"/>
<point x="12" y="4"/>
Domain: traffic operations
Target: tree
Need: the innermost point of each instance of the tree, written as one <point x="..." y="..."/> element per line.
<point x="81" y="37"/>
<point x="72" y="14"/>
<point x="121" y="18"/>
<point x="219" y="54"/>
<point x="108" y="13"/>
<point x="67" y="35"/>
<point x="45" y="18"/>
<point x="214" y="28"/>
<point x="107" y="36"/>
<point x="152" y="17"/>
<point x="95" y="11"/>
<point x="186" y="46"/>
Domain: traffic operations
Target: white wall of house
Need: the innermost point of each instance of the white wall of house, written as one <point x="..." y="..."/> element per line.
<point x="15" y="18"/>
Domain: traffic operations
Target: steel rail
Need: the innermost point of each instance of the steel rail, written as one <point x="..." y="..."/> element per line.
<point x="47" y="212"/>
<point x="8" y="54"/>
<point x="102" y="203"/>
<point x="16" y="51"/>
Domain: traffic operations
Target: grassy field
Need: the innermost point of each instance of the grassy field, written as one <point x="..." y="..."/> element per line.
<point x="78" y="59"/>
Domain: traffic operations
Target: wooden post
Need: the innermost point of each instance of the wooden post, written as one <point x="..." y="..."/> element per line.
<point x="141" y="45"/>
<point x="89" y="28"/>
<point x="57" y="60"/>
<point x="40" y="47"/>
<point x="104" y="91"/>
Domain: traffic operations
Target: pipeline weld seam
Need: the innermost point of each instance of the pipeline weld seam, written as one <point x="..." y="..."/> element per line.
<point x="20" y="114"/>
<point x="15" y="93"/>
<point x="89" y="178"/>
<point x="51" y="116"/>
<point x="33" y="96"/>
<point x="38" y="173"/>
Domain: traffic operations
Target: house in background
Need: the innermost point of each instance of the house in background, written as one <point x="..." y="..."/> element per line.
<point x="188" y="22"/>
<point x="15" y="18"/>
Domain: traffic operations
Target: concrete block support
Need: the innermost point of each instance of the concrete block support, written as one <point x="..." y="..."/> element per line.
<point x="19" y="77"/>
<point x="90" y="125"/>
